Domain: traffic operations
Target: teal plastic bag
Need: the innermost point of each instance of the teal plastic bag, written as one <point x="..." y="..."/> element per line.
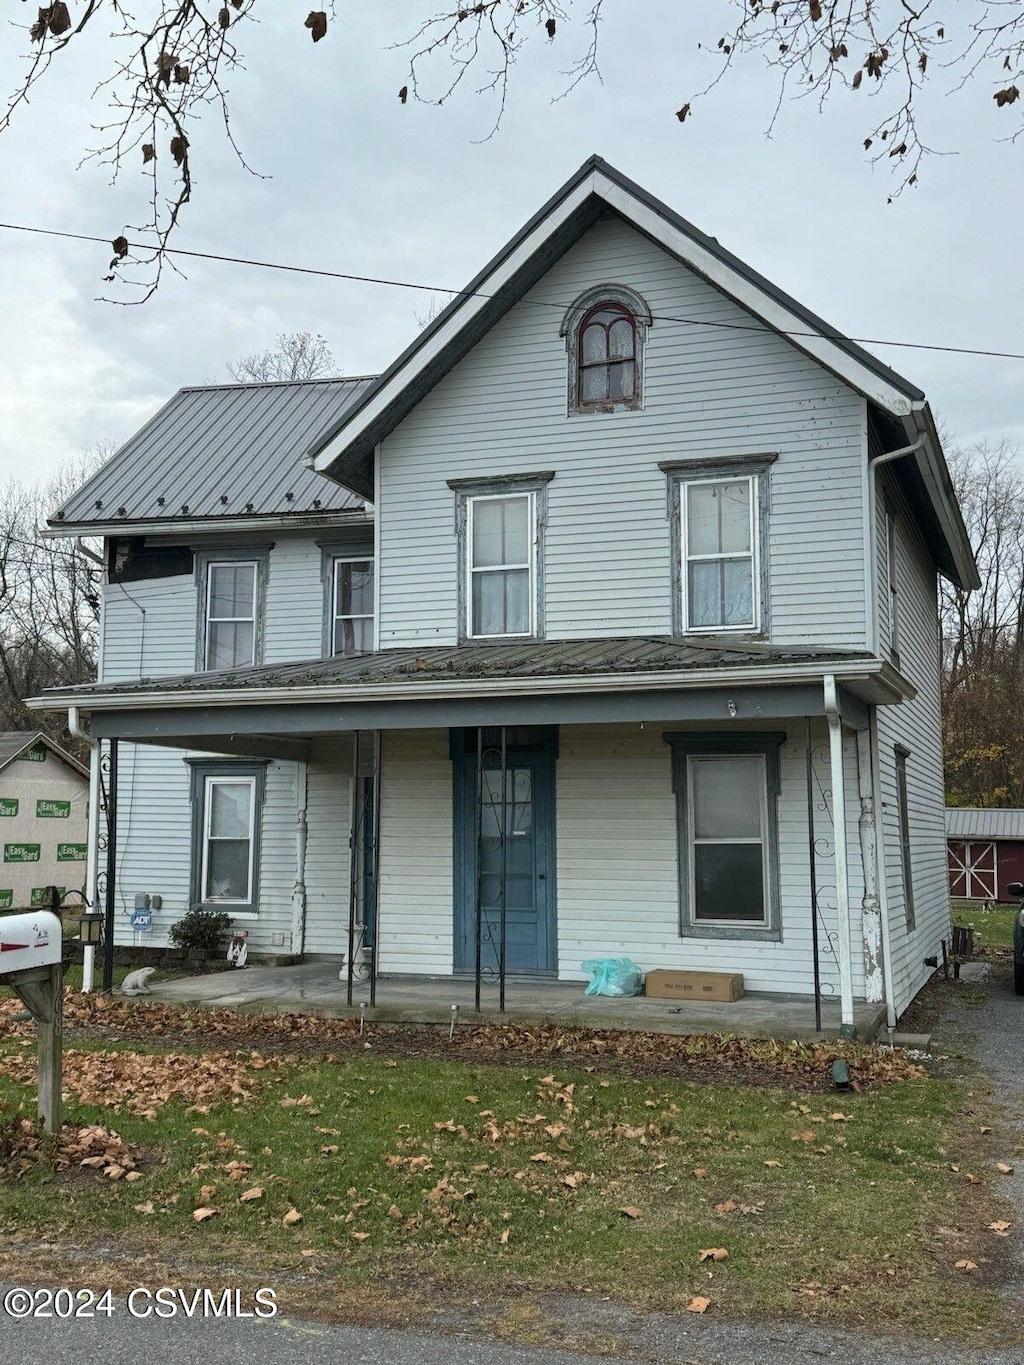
<point x="613" y="976"/>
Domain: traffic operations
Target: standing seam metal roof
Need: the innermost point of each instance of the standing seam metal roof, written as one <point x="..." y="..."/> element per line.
<point x="224" y="450"/>
<point x="964" y="822"/>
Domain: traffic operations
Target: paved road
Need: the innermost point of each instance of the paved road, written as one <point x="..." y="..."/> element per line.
<point x="282" y="1341"/>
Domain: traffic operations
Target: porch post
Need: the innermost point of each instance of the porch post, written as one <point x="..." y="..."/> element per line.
<point x="835" y="744"/>
<point x="108" y="924"/>
<point x="92" y="860"/>
<point x="375" y="869"/>
<point x="870" y="906"/>
<point x="814" y="874"/>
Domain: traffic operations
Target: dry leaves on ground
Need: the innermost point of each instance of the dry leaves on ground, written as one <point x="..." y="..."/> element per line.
<point x="142" y="1083"/>
<point x="23" y="1145"/>
<point x="707" y="1057"/>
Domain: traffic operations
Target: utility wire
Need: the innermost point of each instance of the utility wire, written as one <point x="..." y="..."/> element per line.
<point x="480" y="294"/>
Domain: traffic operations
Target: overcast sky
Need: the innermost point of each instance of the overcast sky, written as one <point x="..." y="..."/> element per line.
<point x="358" y="183"/>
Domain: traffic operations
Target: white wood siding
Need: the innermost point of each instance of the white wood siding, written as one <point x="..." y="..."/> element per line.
<point x="328" y="795"/>
<point x="415" y="878"/>
<point x="617" y="863"/>
<point x="916" y="726"/>
<point x="617" y="879"/>
<point x="709" y="391"/>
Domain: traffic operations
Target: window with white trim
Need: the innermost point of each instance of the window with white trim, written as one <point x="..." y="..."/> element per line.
<point x="727" y="789"/>
<point x="719" y="543"/>
<point x="230" y="632"/>
<point x="906" y="850"/>
<point x="352" y="606"/>
<point x="228" y="842"/>
<point x="501" y="566"/>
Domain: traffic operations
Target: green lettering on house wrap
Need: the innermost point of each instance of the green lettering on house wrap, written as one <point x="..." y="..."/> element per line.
<point x="72" y="853"/>
<point x="37" y="754"/>
<point x="49" y="809"/>
<point x="22" y="853"/>
<point x="6" y="898"/>
<point x="38" y="892"/>
<point x="8" y="805"/>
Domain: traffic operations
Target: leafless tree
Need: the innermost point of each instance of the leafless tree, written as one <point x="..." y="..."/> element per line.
<point x="294" y="355"/>
<point x="169" y="60"/>
<point x="983" y="634"/>
<point x="49" y="601"/>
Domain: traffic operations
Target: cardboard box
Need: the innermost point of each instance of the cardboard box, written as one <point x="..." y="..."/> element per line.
<point x="662" y="984"/>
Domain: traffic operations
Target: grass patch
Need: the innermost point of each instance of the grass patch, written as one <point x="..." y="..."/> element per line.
<point x="993" y="929"/>
<point x="507" y="1181"/>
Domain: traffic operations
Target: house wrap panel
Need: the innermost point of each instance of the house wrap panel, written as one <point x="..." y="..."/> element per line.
<point x="916" y="726"/>
<point x="43" y="818"/>
<point x="709" y="391"/>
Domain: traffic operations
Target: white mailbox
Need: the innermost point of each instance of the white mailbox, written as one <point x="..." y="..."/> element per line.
<point x="30" y="940"/>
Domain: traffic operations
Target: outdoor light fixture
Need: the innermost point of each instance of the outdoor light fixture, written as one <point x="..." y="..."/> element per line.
<point x="90" y="929"/>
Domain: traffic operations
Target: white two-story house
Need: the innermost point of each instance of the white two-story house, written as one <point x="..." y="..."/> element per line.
<point x="603" y="623"/>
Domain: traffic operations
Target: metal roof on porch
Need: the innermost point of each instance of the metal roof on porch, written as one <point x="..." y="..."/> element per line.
<point x="486" y="662"/>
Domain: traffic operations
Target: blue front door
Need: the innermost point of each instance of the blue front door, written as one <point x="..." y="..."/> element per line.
<point x="504" y="849"/>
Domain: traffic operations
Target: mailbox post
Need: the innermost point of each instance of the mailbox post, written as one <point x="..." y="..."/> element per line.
<point x="30" y="963"/>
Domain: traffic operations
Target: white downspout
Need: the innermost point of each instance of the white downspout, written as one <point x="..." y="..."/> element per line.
<point x="835" y="745"/>
<point x="874" y="643"/>
<point x="876" y="949"/>
<point x="883" y="888"/>
<point x="301" y="832"/>
<point x="93" y="837"/>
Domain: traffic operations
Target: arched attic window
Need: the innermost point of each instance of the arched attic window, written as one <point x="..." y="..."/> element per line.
<point x="605" y="331"/>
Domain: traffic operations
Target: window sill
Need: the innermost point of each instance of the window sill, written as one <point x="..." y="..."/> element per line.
<point x="749" y="933"/>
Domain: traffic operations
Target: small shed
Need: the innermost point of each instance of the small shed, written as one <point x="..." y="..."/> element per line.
<point x="984" y="852"/>
<point x="44" y="799"/>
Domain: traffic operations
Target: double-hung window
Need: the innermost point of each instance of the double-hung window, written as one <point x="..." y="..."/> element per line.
<point x="906" y="851"/>
<point x="227" y="801"/>
<point x="501" y="565"/>
<point x="352" y="606"/>
<point x="720" y="554"/>
<point x="726" y="801"/>
<point x="231" y="598"/>
<point x="719" y="517"/>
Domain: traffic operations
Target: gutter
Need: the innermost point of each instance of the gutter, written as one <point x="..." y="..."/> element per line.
<point x="297" y="521"/>
<point x="441" y="689"/>
<point x="940" y="490"/>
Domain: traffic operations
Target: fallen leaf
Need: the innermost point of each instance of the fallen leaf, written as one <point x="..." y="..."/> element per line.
<point x="292" y="1217"/>
<point x="698" y="1305"/>
<point x="775" y="1165"/>
<point x="966" y="1265"/>
<point x="249" y="1195"/>
<point x="630" y="1210"/>
<point x="147" y="1207"/>
<point x="359" y="1236"/>
<point x="805" y="1136"/>
<point x="700" y="1172"/>
<point x="727" y="1206"/>
<point x="713" y="1254"/>
<point x="206" y="1193"/>
<point x="540" y="1156"/>
<point x="1000" y="1227"/>
<point x="505" y="1236"/>
<point x="201" y="1215"/>
<point x="1003" y="1168"/>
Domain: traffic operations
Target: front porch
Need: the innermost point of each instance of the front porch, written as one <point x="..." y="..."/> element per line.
<point x="316" y="988"/>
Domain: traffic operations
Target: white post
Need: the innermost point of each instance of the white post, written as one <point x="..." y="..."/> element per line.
<point x="835" y="746"/>
<point x="871" y="914"/>
<point x="92" y="861"/>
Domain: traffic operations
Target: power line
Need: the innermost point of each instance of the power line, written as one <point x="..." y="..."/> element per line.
<point x="480" y="294"/>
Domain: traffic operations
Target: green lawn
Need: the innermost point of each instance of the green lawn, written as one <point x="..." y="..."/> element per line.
<point x="513" y="1181"/>
<point x="993" y="928"/>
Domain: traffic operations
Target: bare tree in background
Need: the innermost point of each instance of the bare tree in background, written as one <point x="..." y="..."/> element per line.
<point x="167" y="63"/>
<point x="983" y="635"/>
<point x="49" y="601"/>
<point x="294" y="355"/>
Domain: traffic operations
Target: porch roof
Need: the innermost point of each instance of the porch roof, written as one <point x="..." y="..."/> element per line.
<point x="276" y="709"/>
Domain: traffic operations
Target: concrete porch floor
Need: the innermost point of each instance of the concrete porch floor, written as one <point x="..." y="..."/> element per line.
<point x="314" y="988"/>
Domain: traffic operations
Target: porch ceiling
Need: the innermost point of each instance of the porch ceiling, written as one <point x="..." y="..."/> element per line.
<point x="526" y="682"/>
